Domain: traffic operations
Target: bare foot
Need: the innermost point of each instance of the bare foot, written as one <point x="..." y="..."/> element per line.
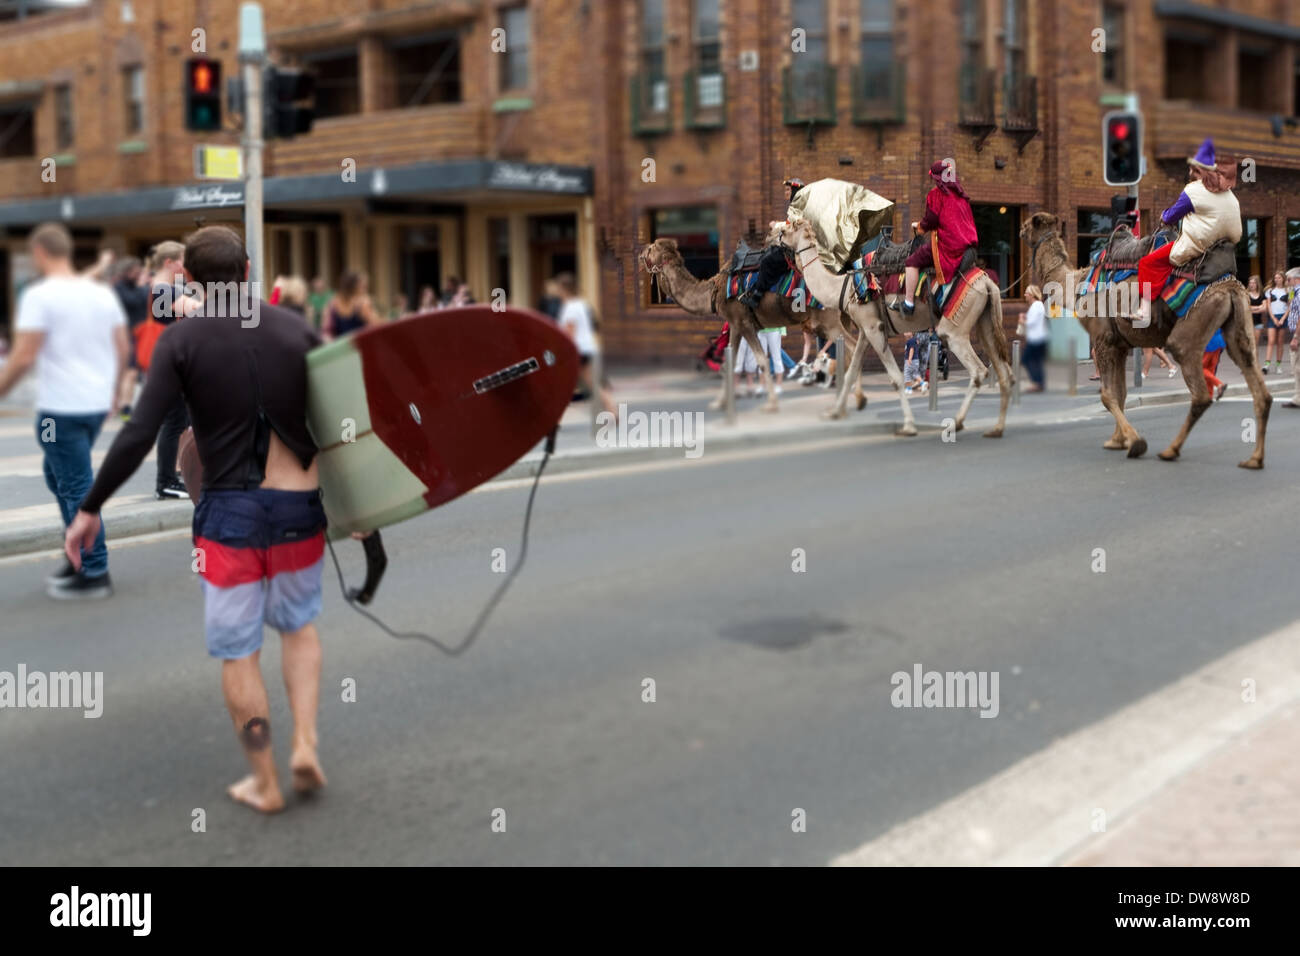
<point x="307" y="774"/>
<point x="247" y="791"/>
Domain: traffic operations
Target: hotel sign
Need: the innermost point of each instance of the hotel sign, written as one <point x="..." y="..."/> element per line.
<point x="542" y="178"/>
<point x="206" y="197"/>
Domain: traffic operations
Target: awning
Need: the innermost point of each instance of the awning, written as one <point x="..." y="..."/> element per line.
<point x="1222" y="17"/>
<point x="449" y="177"/>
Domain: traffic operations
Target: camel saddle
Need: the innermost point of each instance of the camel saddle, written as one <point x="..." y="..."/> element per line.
<point x="745" y="258"/>
<point x="890" y="257"/>
<point x="1125" y="249"/>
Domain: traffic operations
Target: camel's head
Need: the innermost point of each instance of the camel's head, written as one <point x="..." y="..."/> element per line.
<point x="1039" y="225"/>
<point x="660" y="253"/>
<point x="794" y="234"/>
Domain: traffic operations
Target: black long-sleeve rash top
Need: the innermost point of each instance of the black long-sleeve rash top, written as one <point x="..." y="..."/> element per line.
<point x="238" y="383"/>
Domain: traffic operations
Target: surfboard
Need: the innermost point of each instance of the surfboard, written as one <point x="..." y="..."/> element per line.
<point x="415" y="413"/>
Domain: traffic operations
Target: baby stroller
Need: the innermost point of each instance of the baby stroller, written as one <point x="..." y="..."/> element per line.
<point x="935" y="343"/>
<point x="713" y="356"/>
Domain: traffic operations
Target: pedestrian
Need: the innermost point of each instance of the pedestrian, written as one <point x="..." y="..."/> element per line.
<point x="577" y="320"/>
<point x="550" y="302"/>
<point x="131" y="289"/>
<point x="770" y="340"/>
<point x="400" y="309"/>
<point x="912" y="378"/>
<point x="293" y="295"/>
<point x="167" y="304"/>
<point x="350" y="310"/>
<point x="428" y="299"/>
<point x="1292" y="320"/>
<point x="1279" y="298"/>
<point x="259" y="524"/>
<point x="462" y="296"/>
<point x="318" y="300"/>
<point x="73" y="330"/>
<point x="1255" y="290"/>
<point x="1165" y="361"/>
<point x="1033" y="327"/>
<point x="1210" y="365"/>
<point x="449" y="289"/>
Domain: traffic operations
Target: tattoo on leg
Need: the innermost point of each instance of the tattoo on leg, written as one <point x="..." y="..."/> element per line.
<point x="256" y="734"/>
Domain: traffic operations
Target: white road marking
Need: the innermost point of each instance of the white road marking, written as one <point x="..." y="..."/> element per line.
<point x="1039" y="812"/>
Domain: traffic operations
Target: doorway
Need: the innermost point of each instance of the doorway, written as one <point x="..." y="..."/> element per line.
<point x="553" y="248"/>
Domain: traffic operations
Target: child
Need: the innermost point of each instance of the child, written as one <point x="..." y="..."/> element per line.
<point x="912" y="363"/>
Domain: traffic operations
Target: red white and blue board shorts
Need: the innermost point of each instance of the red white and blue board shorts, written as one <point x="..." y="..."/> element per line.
<point x="261" y="553"/>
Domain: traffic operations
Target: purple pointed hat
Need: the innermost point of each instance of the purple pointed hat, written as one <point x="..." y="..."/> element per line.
<point x="1204" y="158"/>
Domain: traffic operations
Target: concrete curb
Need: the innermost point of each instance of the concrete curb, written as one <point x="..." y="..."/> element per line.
<point x="155" y="516"/>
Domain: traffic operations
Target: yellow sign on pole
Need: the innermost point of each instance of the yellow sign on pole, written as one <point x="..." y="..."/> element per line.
<point x="218" y="162"/>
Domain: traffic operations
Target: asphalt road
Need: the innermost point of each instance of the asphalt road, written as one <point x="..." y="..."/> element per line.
<point x="773" y="687"/>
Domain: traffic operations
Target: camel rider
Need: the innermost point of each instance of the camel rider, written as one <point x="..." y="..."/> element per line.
<point x="1209" y="212"/>
<point x="949" y="227"/>
<point x="772" y="265"/>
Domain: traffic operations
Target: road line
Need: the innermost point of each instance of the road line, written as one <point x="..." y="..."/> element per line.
<point x="1039" y="812"/>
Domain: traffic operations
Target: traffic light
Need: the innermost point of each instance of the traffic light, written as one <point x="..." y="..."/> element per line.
<point x="1122" y="148"/>
<point x="202" y="94"/>
<point x="289" y="109"/>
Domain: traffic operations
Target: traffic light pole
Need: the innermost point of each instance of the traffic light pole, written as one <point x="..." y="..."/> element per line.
<point x="252" y="57"/>
<point x="253" y="172"/>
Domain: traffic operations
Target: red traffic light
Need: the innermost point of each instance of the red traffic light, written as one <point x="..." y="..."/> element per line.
<point x="201" y="78"/>
<point x="1119" y="130"/>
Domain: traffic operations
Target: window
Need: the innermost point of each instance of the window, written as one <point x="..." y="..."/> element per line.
<point x="63" y="122"/>
<point x="972" y="33"/>
<point x="515" y="65"/>
<point x="133" y="99"/>
<point x="1112" y="60"/>
<point x="975" y="83"/>
<point x="1093" y="229"/>
<point x="1292" y="243"/>
<point x="876" y="46"/>
<point x="654" y="81"/>
<point x="696" y="230"/>
<point x="708" y="53"/>
<point x="1016" y="32"/>
<point x="999" y="244"/>
<point x="1254" y="71"/>
<point x="338" y="82"/>
<point x="1250" y="262"/>
<point x="1186" y="62"/>
<point x="427" y="70"/>
<point x="17" y="131"/>
<point x="810" y="81"/>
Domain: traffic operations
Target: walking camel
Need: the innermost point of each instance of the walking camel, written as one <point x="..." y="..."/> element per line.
<point x="980" y="313"/>
<point x="1223" y="305"/>
<point x="663" y="260"/>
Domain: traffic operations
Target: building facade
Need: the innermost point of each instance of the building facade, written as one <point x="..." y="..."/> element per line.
<point x="505" y="140"/>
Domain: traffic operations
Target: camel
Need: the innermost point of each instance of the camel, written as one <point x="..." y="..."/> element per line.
<point x="1223" y="305"/>
<point x="662" y="260"/>
<point x="980" y="312"/>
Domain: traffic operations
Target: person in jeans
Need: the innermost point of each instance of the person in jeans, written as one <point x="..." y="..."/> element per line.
<point x="1034" y="328"/>
<point x="73" y="330"/>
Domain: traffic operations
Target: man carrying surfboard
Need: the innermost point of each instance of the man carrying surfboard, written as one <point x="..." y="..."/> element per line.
<point x="259" y="524"/>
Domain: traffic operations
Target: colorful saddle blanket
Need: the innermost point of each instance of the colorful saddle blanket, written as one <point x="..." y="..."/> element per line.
<point x="790" y="285"/>
<point x="946" y="297"/>
<point x="1180" y="293"/>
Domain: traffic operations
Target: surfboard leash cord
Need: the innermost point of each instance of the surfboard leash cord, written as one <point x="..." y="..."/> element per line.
<point x="376" y="561"/>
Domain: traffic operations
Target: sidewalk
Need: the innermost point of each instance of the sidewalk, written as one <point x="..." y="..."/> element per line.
<point x="33" y="524"/>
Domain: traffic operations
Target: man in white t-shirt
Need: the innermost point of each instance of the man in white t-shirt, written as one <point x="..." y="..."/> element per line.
<point x="73" y="330"/>
<point x="575" y="319"/>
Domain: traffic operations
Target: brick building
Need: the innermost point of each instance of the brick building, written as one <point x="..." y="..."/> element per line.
<point x="503" y="167"/>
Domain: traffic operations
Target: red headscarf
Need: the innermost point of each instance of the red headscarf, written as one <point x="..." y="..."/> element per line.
<point x="944" y="172"/>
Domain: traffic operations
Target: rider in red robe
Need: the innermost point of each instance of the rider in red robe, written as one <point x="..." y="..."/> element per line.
<point x="949" y="226"/>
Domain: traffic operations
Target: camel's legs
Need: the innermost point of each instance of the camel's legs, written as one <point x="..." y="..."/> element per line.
<point x="1239" y="338"/>
<point x="1001" y="368"/>
<point x="873" y="333"/>
<point x="1114" y="390"/>
<point x="959" y="344"/>
<point x="853" y="375"/>
<point x="1189" y="360"/>
<point x="750" y="332"/>
<point x="852" y="338"/>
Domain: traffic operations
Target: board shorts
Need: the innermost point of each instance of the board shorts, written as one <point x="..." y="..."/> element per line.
<point x="260" y="554"/>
